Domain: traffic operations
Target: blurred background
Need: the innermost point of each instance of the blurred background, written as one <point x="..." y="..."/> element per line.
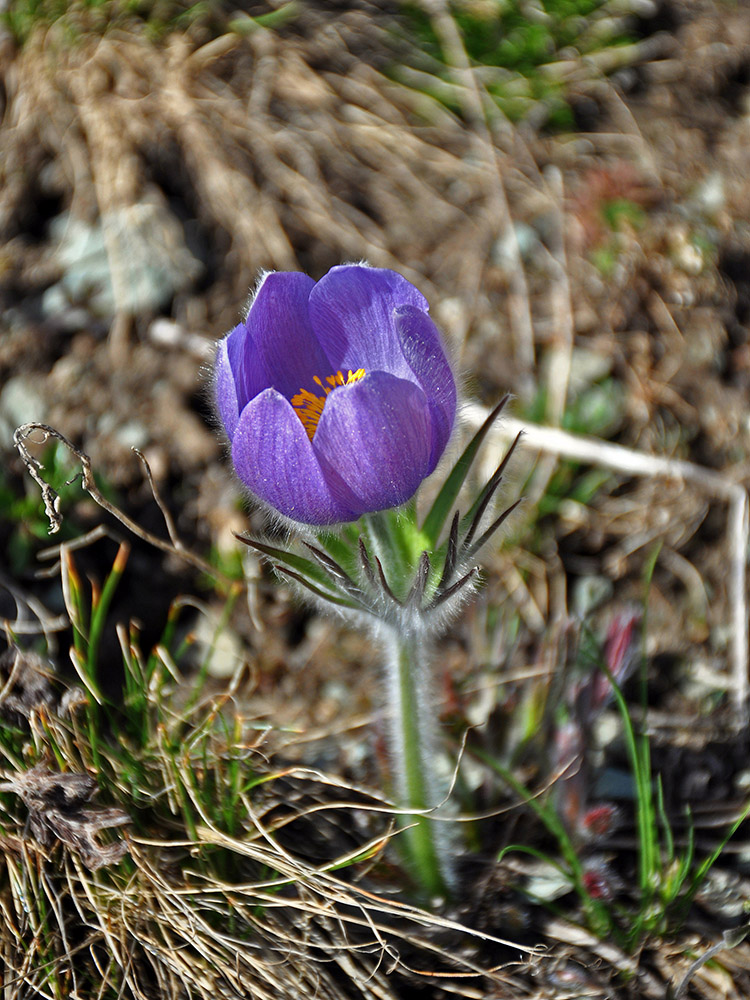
<point x="567" y="182"/>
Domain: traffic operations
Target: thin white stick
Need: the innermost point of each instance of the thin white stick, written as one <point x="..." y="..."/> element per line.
<point x="559" y="361"/>
<point x="738" y="531"/>
<point x="636" y="463"/>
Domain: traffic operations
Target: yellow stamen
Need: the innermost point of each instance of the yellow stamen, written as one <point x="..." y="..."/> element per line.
<point x="309" y="406"/>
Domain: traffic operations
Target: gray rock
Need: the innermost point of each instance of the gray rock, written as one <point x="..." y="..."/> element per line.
<point x="132" y="259"/>
<point x="20" y="403"/>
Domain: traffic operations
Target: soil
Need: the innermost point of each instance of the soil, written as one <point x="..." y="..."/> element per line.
<point x="203" y="161"/>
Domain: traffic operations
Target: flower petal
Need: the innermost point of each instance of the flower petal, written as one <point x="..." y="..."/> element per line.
<point x="282" y="337"/>
<point x="376" y="434"/>
<point x="225" y="387"/>
<point x="351" y="309"/>
<point x="274" y="458"/>
<point x="423" y="350"/>
<point x="241" y="374"/>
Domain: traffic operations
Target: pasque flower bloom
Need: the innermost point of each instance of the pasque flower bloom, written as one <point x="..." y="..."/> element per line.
<point x="337" y="396"/>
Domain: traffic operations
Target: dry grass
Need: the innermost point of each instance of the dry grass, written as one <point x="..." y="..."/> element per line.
<point x="290" y="163"/>
<point x="164" y="921"/>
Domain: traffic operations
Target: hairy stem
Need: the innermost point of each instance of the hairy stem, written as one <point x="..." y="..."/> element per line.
<point x="413" y="747"/>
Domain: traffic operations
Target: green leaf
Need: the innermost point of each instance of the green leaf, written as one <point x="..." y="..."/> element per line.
<point x="444" y="501"/>
<point x="345" y="553"/>
<point x="324" y="594"/>
<point x="305" y="567"/>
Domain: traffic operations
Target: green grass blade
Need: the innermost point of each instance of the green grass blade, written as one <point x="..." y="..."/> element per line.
<point x="534" y="852"/>
<point x="101" y="607"/>
<point x="664" y="820"/>
<point x="647" y="847"/>
<point x="709" y="862"/>
<point x="547" y="815"/>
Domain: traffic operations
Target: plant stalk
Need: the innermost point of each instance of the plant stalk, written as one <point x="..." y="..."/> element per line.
<point x="413" y="747"/>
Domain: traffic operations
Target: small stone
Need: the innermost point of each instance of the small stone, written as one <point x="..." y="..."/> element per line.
<point x="590" y="593"/>
<point x="586" y="368"/>
<point x="711" y="194"/>
<point x="132" y="259"/>
<point x="20" y="403"/>
<point x="223" y="650"/>
<point x="132" y="434"/>
<point x="686" y="256"/>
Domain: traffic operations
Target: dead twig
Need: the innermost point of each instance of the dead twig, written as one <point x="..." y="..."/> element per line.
<point x="52" y="500"/>
<point x="24" y="624"/>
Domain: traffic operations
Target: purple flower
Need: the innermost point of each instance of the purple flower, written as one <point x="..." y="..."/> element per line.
<point x="337" y="397"/>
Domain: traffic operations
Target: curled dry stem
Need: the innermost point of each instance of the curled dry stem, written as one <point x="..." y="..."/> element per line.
<point x="51" y="499"/>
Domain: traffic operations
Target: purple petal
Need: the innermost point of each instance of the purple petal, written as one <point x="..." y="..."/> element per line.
<point x="423" y="350"/>
<point x="351" y="309"/>
<point x="376" y="434"/>
<point x="274" y="458"/>
<point x="240" y="375"/>
<point x="225" y="388"/>
<point x="281" y="335"/>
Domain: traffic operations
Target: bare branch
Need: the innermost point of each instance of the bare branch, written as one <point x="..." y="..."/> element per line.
<point x="52" y="500"/>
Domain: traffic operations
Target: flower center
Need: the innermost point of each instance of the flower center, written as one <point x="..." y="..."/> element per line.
<point x="309" y="406"/>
